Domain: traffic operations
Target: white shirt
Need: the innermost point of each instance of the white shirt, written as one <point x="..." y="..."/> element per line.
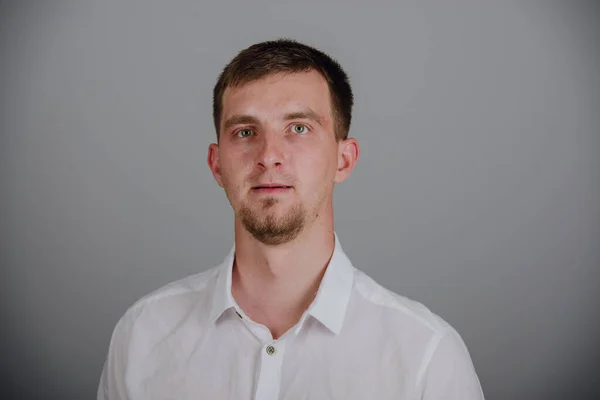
<point x="357" y="340"/>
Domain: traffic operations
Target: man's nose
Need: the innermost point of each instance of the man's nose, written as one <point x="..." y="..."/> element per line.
<point x="271" y="151"/>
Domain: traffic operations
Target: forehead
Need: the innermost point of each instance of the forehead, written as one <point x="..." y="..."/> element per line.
<point x="277" y="94"/>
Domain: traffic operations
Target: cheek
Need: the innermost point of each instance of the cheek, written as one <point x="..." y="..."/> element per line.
<point x="232" y="179"/>
<point x="320" y="169"/>
<point x="232" y="176"/>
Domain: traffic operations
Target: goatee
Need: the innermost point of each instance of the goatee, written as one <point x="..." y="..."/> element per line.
<point x="272" y="230"/>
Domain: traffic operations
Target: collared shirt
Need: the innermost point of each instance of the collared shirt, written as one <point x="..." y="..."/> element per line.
<point x="357" y="340"/>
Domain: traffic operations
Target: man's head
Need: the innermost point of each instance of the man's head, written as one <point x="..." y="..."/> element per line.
<point x="287" y="56"/>
<point x="282" y="112"/>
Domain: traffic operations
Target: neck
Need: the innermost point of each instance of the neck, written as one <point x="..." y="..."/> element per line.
<point x="274" y="285"/>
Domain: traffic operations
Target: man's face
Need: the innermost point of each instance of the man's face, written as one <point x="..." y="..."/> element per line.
<point x="277" y="157"/>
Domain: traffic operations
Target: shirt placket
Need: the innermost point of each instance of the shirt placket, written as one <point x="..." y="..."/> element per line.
<point x="269" y="374"/>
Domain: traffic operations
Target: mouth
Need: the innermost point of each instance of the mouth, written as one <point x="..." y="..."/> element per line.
<point x="271" y="188"/>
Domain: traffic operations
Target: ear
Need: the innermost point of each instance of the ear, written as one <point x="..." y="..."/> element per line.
<point x="348" y="153"/>
<point x="213" y="162"/>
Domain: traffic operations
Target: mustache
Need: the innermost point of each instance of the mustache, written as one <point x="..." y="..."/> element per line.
<point x="284" y="179"/>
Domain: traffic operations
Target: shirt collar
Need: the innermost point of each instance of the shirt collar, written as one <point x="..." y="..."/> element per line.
<point x="330" y="303"/>
<point x="222" y="298"/>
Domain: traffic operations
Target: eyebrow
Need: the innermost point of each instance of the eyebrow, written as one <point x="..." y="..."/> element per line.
<point x="249" y="119"/>
<point x="305" y="114"/>
<point x="239" y="120"/>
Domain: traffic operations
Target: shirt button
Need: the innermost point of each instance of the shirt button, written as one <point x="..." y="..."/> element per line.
<point x="270" y="350"/>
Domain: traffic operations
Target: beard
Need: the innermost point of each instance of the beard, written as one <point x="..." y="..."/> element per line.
<point x="270" y="229"/>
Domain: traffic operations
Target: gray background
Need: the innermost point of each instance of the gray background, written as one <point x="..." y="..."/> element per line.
<point x="477" y="192"/>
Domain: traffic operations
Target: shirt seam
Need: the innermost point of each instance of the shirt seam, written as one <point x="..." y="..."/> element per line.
<point x="434" y="326"/>
<point x="157" y="295"/>
<point x="428" y="356"/>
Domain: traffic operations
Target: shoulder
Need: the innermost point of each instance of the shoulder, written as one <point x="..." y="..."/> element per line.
<point x="421" y="335"/>
<point x="173" y="298"/>
<point x="399" y="307"/>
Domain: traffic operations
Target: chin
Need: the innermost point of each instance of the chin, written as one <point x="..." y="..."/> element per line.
<point x="268" y="205"/>
<point x="272" y="219"/>
<point x="273" y="215"/>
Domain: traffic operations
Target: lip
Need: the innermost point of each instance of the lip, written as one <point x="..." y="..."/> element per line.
<point x="271" y="188"/>
<point x="271" y="185"/>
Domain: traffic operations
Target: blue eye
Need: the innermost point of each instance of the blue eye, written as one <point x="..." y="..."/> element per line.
<point x="245" y="133"/>
<point x="299" y="129"/>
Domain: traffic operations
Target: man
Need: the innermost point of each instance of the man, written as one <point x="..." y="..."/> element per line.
<point x="286" y="316"/>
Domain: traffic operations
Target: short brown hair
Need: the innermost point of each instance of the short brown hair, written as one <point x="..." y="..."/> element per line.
<point x="287" y="56"/>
